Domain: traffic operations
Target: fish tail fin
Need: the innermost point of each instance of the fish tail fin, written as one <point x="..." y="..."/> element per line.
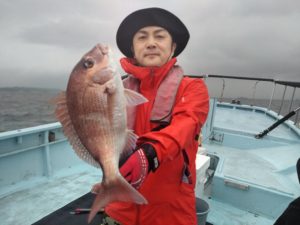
<point x="118" y="190"/>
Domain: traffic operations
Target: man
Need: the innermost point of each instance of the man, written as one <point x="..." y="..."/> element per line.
<point x="291" y="215"/>
<point x="162" y="168"/>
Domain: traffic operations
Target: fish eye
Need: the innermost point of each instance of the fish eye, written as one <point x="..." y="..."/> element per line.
<point x="88" y="63"/>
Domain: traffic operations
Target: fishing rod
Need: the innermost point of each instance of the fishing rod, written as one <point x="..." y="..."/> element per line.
<point x="277" y="123"/>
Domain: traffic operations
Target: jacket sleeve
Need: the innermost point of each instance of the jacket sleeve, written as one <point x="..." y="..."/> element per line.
<point x="188" y="115"/>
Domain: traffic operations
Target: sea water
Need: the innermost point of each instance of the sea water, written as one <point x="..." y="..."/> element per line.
<point x="28" y="107"/>
<point x="25" y="107"/>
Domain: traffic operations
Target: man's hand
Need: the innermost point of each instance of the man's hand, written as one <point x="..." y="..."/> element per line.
<point x="135" y="169"/>
<point x="139" y="164"/>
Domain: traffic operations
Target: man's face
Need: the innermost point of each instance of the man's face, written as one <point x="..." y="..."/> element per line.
<point x="153" y="46"/>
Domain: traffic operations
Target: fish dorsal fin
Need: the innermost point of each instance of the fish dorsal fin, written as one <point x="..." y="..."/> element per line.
<point x="59" y="99"/>
<point x="133" y="98"/>
<point x="131" y="139"/>
<point x="61" y="112"/>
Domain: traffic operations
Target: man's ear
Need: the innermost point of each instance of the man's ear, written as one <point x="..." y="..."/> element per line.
<point x="132" y="50"/>
<point x="173" y="48"/>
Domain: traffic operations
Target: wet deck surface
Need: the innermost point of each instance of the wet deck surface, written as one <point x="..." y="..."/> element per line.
<point x="224" y="214"/>
<point x="272" y="168"/>
<point x="30" y="205"/>
<point x="268" y="162"/>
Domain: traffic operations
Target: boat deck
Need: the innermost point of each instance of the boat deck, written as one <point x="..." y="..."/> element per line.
<point x="269" y="168"/>
<point x="224" y="214"/>
<point x="32" y="204"/>
<point x="268" y="162"/>
<point x="251" y="175"/>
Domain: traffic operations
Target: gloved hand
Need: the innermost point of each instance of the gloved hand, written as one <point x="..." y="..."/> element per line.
<point x="137" y="166"/>
<point x="135" y="169"/>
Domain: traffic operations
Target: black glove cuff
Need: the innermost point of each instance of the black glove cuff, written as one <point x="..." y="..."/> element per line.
<point x="151" y="156"/>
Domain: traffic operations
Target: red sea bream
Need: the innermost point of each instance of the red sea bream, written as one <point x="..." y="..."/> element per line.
<point x="92" y="112"/>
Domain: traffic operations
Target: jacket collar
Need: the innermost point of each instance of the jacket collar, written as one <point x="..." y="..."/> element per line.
<point x="146" y="73"/>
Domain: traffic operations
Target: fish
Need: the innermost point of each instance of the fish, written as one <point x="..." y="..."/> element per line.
<point x="92" y="112"/>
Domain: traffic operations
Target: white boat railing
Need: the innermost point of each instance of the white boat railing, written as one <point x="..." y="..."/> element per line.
<point x="294" y="85"/>
<point x="32" y="155"/>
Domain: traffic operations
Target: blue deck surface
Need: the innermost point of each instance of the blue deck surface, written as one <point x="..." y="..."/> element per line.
<point x="31" y="204"/>
<point x="253" y="175"/>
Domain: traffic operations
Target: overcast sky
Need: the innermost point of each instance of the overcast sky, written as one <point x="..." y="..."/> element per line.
<point x="42" y="40"/>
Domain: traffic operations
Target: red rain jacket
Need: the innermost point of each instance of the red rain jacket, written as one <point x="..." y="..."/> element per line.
<point x="171" y="197"/>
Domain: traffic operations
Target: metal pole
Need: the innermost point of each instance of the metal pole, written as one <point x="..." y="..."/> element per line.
<point x="48" y="168"/>
<point x="296" y="119"/>
<point x="293" y="95"/>
<point x="254" y="91"/>
<point x="276" y="124"/>
<point x="223" y="89"/>
<point x="272" y="96"/>
<point x="297" y="123"/>
<point x="282" y="100"/>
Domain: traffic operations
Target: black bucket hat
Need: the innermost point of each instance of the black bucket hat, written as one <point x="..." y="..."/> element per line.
<point x="151" y="17"/>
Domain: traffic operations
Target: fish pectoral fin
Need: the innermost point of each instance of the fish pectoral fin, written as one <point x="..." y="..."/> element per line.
<point x="133" y="98"/>
<point x="118" y="190"/>
<point x="62" y="114"/>
<point x="131" y="139"/>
